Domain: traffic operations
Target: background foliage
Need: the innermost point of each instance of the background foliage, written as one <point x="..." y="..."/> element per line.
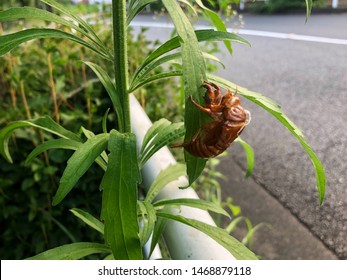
<point x="280" y="6"/>
<point x="26" y="214"/>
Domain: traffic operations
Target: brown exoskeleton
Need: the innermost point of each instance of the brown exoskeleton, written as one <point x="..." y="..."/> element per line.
<point x="229" y="120"/>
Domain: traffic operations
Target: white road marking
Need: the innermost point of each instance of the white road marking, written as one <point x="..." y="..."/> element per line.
<point x="269" y="34"/>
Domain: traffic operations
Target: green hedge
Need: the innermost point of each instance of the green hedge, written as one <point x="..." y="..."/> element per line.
<point x="280" y="6"/>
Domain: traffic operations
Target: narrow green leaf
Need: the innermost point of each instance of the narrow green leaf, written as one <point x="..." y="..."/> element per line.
<point x="213" y="57"/>
<point x="190" y="6"/>
<point x="153" y="131"/>
<point x="194" y="74"/>
<point x="119" y="198"/>
<point x="249" y="156"/>
<point x="34" y="13"/>
<point x="217" y="22"/>
<point x="201" y="35"/>
<point x="132" y="3"/>
<point x="213" y="35"/>
<point x="171" y="173"/>
<point x="79" y="163"/>
<point x="65" y="230"/>
<point x="276" y="111"/>
<point x="167" y="58"/>
<point x="196" y="203"/>
<point x="166" y="135"/>
<point x="235" y="209"/>
<point x="104" y="121"/>
<point x="45" y="123"/>
<point x="74" y="251"/>
<point x="251" y="95"/>
<point x="249" y="238"/>
<point x="87" y="29"/>
<point x="61" y="143"/>
<point x="109" y="257"/>
<point x="144" y="81"/>
<point x="56" y="5"/>
<point x="87" y="133"/>
<point x="111" y="90"/>
<point x="235" y="247"/>
<point x="319" y="169"/>
<point x="154" y="64"/>
<point x="233" y="224"/>
<point x="308" y="8"/>
<point x="89" y="219"/>
<point x="10" y="41"/>
<point x="195" y="167"/>
<point x="174" y="43"/>
<point x="133" y="11"/>
<point x="147" y="220"/>
<point x="102" y="160"/>
<point x="74" y="16"/>
<point x="157" y="232"/>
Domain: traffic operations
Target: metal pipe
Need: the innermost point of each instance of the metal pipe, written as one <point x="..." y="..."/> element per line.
<point x="183" y="242"/>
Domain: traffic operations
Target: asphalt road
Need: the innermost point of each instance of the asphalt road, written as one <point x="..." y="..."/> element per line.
<point x="309" y="80"/>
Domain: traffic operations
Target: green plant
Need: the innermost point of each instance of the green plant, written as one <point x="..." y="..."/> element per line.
<point x="115" y="150"/>
<point x="33" y="226"/>
<point x="209" y="188"/>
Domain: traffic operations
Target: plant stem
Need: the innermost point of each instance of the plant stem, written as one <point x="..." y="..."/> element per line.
<point x="25" y="102"/>
<point x="52" y="85"/>
<point x="45" y="153"/>
<point x="121" y="60"/>
<point x="87" y="93"/>
<point x="12" y="89"/>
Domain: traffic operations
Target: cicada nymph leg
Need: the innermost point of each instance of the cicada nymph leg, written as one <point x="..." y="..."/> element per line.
<point x="213" y="97"/>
